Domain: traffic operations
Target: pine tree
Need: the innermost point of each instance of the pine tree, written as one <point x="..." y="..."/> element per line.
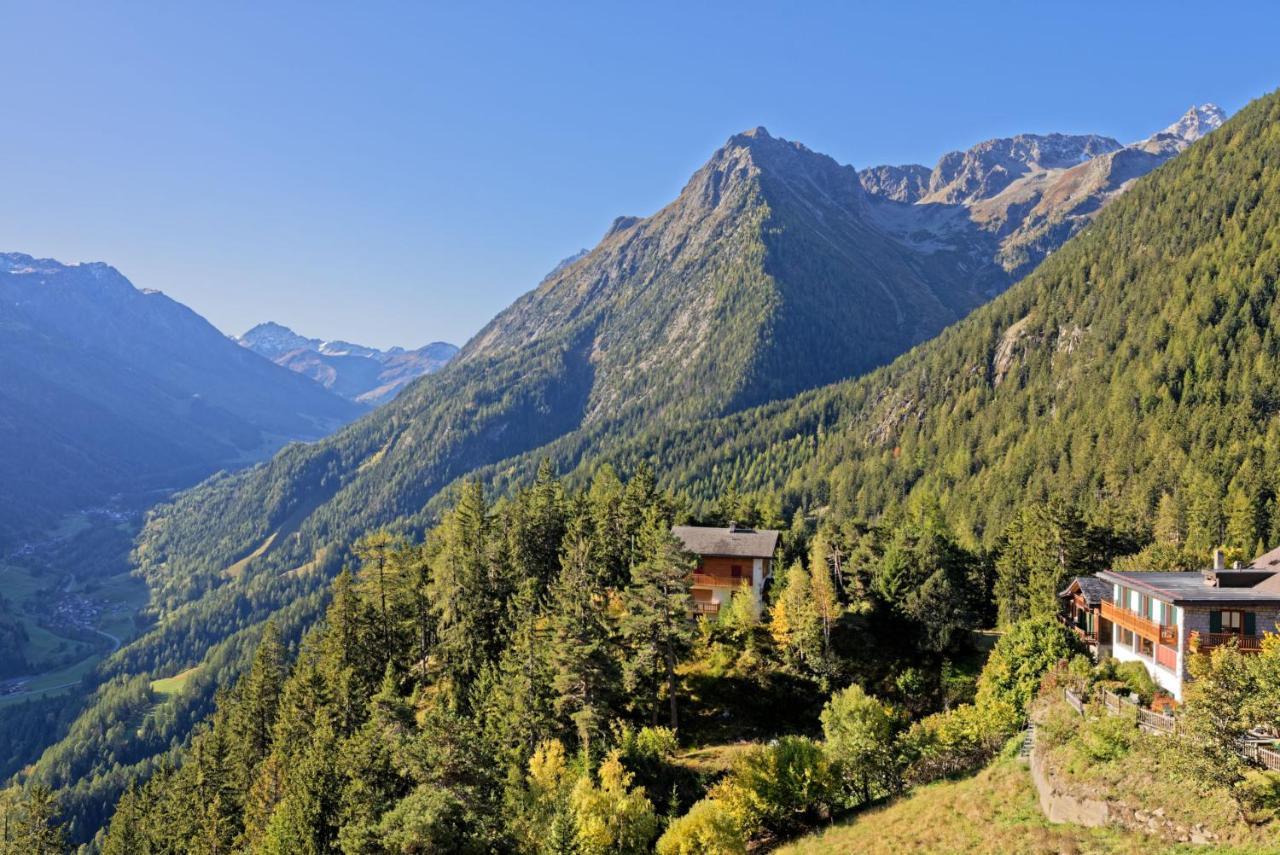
<point x="305" y="821"/>
<point x="657" y="623"/>
<point x="370" y="762"/>
<point x="37" y="830"/>
<point x="584" y="667"/>
<point x="252" y="721"/>
<point x="468" y="592"/>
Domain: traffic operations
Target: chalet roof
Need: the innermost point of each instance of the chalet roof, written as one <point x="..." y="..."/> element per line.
<point x="1190" y="588"/>
<point x="736" y="542"/>
<point x="1267" y="560"/>
<point x="1095" y="590"/>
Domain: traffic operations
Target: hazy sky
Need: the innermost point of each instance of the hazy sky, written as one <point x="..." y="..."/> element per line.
<point x="394" y="173"/>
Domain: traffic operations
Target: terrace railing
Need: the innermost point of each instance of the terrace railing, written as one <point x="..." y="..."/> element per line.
<point x="1143" y="626"/>
<point x="1209" y="640"/>
<point x="704" y="580"/>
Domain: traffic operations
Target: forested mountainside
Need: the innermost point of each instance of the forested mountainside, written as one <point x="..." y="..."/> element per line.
<point x="768" y="275"/>
<point x="577" y="367"/>
<point x="1033" y="192"/>
<point x="1133" y="372"/>
<point x="363" y="374"/>
<point x="107" y="389"/>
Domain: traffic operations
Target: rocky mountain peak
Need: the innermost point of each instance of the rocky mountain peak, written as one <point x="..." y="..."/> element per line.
<point x="1196" y="122"/>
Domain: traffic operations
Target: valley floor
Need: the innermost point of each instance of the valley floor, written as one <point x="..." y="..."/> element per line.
<point x="995" y="811"/>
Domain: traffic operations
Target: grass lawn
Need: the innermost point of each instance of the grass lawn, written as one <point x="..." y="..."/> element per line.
<point x="170" y="686"/>
<point x="995" y="811"/>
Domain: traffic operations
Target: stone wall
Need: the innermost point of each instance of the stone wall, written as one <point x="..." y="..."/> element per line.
<point x="1059" y="804"/>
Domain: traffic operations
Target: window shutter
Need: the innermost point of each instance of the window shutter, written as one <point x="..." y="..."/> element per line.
<point x="1215" y="621"/>
<point x="1250" y="623"/>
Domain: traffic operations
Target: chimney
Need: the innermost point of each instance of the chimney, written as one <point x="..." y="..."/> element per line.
<point x="1219" y="559"/>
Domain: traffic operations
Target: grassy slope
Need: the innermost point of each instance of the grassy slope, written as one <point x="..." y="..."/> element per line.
<point x="993" y="812"/>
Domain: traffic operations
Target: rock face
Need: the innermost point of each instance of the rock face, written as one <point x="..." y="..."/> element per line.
<point x="1031" y="193"/>
<point x="363" y="374"/>
<point x="105" y="389"/>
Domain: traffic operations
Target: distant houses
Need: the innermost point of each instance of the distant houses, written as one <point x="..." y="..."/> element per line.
<point x="1160" y="618"/>
<point x="733" y="559"/>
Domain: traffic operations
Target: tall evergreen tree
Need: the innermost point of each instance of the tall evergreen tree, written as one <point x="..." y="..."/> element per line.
<point x="657" y="623"/>
<point x="584" y="667"/>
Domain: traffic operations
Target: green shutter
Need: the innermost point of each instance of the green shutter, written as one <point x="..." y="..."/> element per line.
<point x="1215" y="621"/>
<point x="1250" y="623"/>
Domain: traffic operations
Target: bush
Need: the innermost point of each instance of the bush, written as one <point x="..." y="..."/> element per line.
<point x="780" y="788"/>
<point x="1137" y="680"/>
<point x="709" y="828"/>
<point x="1259" y="795"/>
<point x="1107" y="737"/>
<point x="859" y="740"/>
<point x="1019" y="661"/>
<point x="1059" y="726"/>
<point x="613" y="817"/>
<point x="955" y="742"/>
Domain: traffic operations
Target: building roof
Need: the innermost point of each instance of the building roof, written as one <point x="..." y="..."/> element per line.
<point x="1267" y="560"/>
<point x="1093" y="589"/>
<point x="1190" y="587"/>
<point x="735" y="541"/>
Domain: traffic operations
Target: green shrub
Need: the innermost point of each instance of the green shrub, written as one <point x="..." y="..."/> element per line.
<point x="1259" y="794"/>
<point x="957" y="741"/>
<point x="781" y="788"/>
<point x="1019" y="661"/>
<point x="709" y="828"/>
<point x="859" y="741"/>
<point x="1107" y="737"/>
<point x="1137" y="680"/>
<point x="1059" y="726"/>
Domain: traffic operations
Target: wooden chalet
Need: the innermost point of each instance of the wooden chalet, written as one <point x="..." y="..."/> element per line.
<point x="736" y="559"/>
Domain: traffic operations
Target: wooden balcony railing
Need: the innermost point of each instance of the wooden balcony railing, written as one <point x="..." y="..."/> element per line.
<point x="1209" y="640"/>
<point x="702" y="580"/>
<point x="1084" y="634"/>
<point x="1134" y="622"/>
<point x="708" y="609"/>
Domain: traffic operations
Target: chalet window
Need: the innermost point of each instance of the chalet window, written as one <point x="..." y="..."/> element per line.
<point x="1232" y="621"/>
<point x="735" y="571"/>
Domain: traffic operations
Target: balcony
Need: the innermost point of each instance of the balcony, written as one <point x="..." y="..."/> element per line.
<point x="1081" y="633"/>
<point x="702" y="580"/>
<point x="1136" y="623"/>
<point x="706" y="609"/>
<point x="1207" y="641"/>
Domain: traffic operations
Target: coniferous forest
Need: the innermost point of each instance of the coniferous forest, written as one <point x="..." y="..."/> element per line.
<point x="530" y="678"/>
<point x="464" y="622"/>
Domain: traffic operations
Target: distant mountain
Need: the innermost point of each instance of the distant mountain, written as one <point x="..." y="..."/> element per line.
<point x="1033" y="192"/>
<point x="359" y="373"/>
<point x="107" y="389"/>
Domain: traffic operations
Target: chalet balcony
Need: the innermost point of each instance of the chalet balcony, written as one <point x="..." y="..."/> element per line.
<point x="1081" y="633"/>
<point x="706" y="609"/>
<point x="1207" y="641"/>
<point x="1140" y="625"/>
<point x="702" y="580"/>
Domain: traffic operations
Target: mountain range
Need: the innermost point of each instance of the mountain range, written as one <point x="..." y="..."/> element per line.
<point x="1033" y="192"/>
<point x="108" y="389"/>
<point x="775" y="271"/>
<point x="704" y="338"/>
<point x="363" y="374"/>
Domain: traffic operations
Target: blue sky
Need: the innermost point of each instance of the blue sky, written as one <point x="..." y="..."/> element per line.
<point x="393" y="173"/>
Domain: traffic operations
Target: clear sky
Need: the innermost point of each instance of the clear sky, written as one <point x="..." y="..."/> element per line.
<point x="394" y="173"/>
